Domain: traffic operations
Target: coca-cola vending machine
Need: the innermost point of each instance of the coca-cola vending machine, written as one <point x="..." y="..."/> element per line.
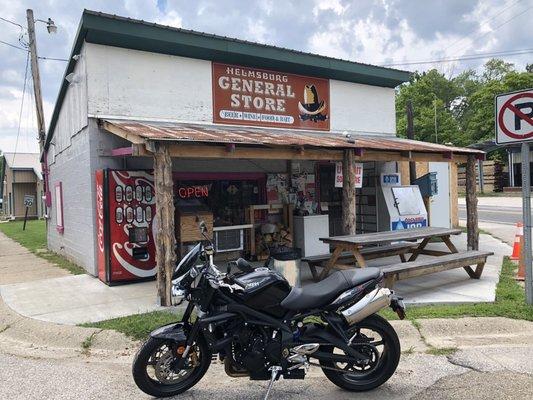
<point x="125" y="208"/>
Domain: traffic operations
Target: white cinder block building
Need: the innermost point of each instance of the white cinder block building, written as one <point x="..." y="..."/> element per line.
<point x="254" y="132"/>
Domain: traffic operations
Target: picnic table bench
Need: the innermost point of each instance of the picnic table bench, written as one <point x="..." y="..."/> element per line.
<point x="347" y="257"/>
<point x="356" y="243"/>
<point x="359" y="248"/>
<point x="427" y="266"/>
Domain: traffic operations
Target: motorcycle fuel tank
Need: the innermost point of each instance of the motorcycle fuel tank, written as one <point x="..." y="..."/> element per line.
<point x="264" y="290"/>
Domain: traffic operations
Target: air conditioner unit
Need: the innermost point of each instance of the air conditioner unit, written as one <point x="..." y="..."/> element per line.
<point x="228" y="240"/>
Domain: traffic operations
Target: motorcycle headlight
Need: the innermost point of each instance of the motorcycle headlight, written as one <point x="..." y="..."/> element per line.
<point x="178" y="294"/>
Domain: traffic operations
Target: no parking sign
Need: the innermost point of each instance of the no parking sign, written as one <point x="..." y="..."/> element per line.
<point x="514" y="124"/>
<point x="514" y="117"/>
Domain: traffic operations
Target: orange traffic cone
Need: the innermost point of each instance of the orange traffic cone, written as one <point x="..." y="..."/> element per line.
<point x="521" y="275"/>
<point x="516" y="246"/>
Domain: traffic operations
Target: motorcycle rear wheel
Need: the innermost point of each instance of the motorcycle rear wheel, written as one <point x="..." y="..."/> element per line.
<point x="383" y="363"/>
<point x="154" y="357"/>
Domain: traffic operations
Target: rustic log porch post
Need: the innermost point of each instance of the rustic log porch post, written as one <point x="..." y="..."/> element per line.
<point x="472" y="229"/>
<point x="166" y="240"/>
<point x="348" y="192"/>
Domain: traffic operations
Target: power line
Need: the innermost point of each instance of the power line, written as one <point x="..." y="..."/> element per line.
<point x="502" y="24"/>
<point x="484" y="22"/>
<point x="465" y="57"/>
<point x="12" y="22"/>
<point x="473" y="56"/>
<point x="21" y="106"/>
<point x="13" y="45"/>
<point x="40" y="57"/>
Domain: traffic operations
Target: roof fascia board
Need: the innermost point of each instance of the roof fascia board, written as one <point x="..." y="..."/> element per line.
<point x="182" y="43"/>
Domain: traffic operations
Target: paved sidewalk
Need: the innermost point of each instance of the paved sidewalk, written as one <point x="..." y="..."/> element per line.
<point x="18" y="264"/>
<point x="497" y="201"/>
<point x="33" y="287"/>
<point x="75" y="299"/>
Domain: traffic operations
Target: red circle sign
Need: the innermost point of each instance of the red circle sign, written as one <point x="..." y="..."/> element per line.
<point x="511" y="107"/>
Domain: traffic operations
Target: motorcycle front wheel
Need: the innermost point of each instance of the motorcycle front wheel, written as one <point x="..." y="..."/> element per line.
<point x="153" y="370"/>
<point x="375" y="338"/>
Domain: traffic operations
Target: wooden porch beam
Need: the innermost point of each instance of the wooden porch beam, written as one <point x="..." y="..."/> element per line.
<point x="472" y="229"/>
<point x="165" y="243"/>
<point x="124" y="134"/>
<point x="348" y="192"/>
<point x="284" y="153"/>
<point x="200" y="151"/>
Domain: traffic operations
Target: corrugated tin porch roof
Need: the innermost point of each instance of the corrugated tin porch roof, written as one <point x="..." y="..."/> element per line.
<point x="142" y="131"/>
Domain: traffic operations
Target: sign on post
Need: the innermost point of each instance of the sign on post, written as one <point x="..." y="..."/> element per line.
<point x="514" y="117"/>
<point x="514" y="124"/>
<point x="28" y="202"/>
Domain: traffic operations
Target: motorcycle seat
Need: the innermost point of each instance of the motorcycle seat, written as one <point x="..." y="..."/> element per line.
<point x="321" y="293"/>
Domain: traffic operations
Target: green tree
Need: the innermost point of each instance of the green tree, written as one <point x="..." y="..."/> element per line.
<point x="478" y="125"/>
<point x="432" y="95"/>
<point x="463" y="105"/>
<point x="496" y="69"/>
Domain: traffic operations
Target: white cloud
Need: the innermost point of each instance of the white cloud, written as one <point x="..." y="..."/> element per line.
<point x="370" y="31"/>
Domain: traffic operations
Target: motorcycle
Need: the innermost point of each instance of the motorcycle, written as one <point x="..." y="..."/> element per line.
<point x="263" y="329"/>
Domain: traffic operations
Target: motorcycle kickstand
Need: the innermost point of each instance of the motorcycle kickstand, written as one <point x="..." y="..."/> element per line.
<point x="275" y="374"/>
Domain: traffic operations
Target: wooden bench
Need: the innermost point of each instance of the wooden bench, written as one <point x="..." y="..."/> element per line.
<point x="427" y="266"/>
<point x="347" y="257"/>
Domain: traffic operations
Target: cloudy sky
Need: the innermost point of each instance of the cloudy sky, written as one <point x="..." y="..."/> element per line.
<point x="381" y="32"/>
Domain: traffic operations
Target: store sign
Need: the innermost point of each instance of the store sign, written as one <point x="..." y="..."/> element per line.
<point x="408" y="223"/>
<point x="250" y="96"/>
<point x="186" y="192"/>
<point x="392" y="179"/>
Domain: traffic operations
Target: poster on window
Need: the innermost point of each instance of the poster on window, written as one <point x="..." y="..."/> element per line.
<point x="338" y="174"/>
<point x="358" y="175"/>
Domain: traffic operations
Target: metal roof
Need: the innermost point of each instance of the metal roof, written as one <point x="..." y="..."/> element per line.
<point x="220" y="134"/>
<point x="112" y="30"/>
<point x="23" y="161"/>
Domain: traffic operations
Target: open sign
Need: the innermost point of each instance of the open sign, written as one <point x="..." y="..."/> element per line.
<point x="186" y="192"/>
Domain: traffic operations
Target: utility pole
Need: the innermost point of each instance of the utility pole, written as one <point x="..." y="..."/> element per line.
<point x="36" y="79"/>
<point x="435" y="112"/>
<point x="410" y="135"/>
<point x="41" y="136"/>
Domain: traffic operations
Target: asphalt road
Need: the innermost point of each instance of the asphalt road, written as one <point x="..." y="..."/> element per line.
<point x="473" y="374"/>
<point x="503" y="214"/>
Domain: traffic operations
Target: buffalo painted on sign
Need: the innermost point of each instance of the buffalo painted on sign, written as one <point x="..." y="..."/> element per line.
<point x="514" y="117"/>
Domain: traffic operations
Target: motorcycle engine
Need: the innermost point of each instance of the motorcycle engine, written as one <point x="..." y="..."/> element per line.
<point x="256" y="351"/>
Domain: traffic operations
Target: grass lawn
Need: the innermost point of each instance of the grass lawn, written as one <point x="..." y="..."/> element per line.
<point x="34" y="239"/>
<point x="510" y="302"/>
<point x="137" y="326"/>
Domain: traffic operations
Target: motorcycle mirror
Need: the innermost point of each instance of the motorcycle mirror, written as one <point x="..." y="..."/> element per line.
<point x="203" y="227"/>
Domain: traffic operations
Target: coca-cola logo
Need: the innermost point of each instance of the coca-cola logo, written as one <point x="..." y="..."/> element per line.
<point x="100" y="211"/>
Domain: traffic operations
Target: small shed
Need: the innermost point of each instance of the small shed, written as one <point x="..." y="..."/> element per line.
<point x="21" y="178"/>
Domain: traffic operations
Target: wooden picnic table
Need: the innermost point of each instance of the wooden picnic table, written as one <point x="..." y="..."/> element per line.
<point x="354" y="244"/>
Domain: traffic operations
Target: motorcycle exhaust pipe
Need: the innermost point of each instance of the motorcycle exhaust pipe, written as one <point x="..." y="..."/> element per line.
<point x="373" y="302"/>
